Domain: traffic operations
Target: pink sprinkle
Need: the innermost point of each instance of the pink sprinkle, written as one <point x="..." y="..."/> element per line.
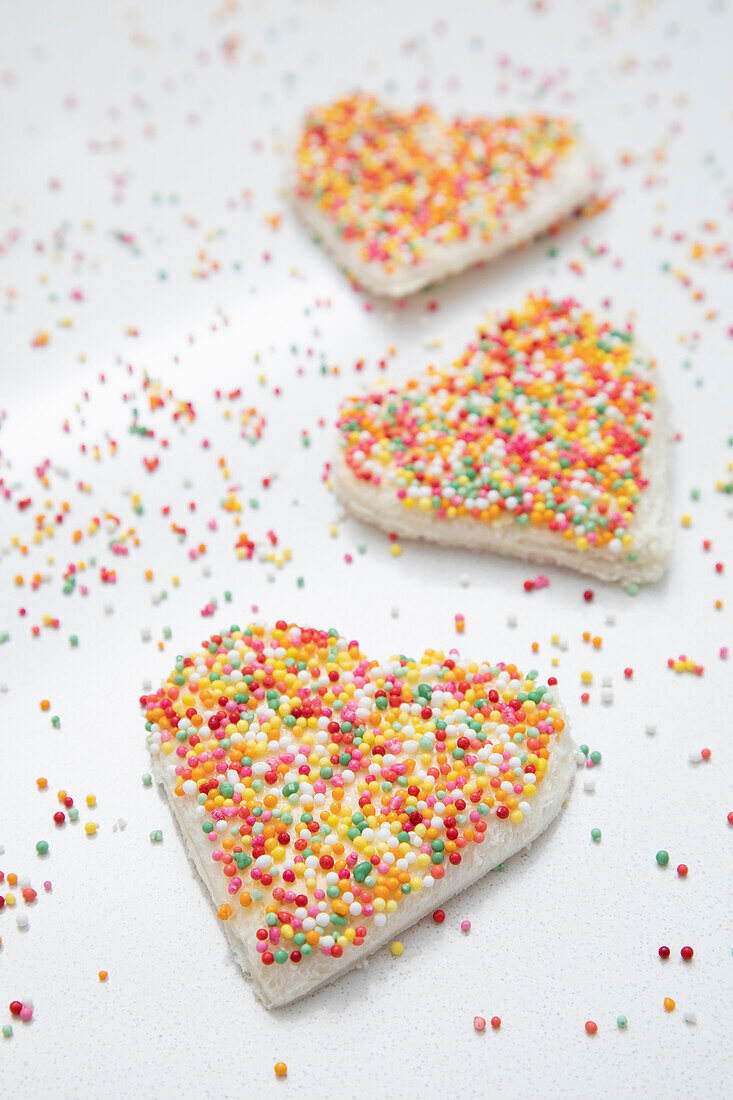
<point x="479" y="1023"/>
<point x="466" y="927"/>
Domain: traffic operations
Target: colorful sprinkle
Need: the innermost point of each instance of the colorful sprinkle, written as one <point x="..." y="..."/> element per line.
<point x="398" y="184"/>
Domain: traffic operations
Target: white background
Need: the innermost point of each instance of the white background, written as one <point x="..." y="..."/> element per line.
<point x="145" y="122"/>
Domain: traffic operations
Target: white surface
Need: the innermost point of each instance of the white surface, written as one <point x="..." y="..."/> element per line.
<point x="580" y="923"/>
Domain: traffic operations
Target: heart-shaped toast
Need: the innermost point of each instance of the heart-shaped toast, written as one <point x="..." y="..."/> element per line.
<point x="328" y="800"/>
<point x="404" y="198"/>
<point x="546" y="440"/>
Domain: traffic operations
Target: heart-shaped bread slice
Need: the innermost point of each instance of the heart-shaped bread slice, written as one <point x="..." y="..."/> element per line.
<point x="328" y="800"/>
<point x="404" y="198"/>
<point x="545" y="440"/>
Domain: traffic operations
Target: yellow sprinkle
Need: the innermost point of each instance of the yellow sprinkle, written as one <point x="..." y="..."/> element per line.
<point x="586" y="677"/>
<point x="90" y="828"/>
<point x="397" y="948"/>
<point x="395" y="549"/>
<point x="686" y="520"/>
<point x="91" y="800"/>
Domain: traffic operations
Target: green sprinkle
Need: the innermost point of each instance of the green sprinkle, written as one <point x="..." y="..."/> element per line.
<point x="73" y="640"/>
<point x="56" y="722"/>
<point x="361" y="871"/>
<point x="621" y="1023"/>
<point x="42" y="847"/>
<point x="7" y="1030"/>
<point x="147" y="779"/>
<point x="595" y="835"/>
<point x="73" y="814"/>
<point x="596" y="757"/>
<point x="662" y="857"/>
<point x="156" y="836"/>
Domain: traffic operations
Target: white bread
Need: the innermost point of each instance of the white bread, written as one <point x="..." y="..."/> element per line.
<point x="574" y="178"/>
<point x="278" y="985"/>
<point x="651" y="528"/>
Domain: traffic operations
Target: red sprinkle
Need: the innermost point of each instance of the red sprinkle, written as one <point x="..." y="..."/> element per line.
<point x="591" y="1027"/>
<point x="439" y="917"/>
<point x="588" y="596"/>
<point x="682" y="870"/>
<point x="663" y="952"/>
<point x="687" y="953"/>
<point x="496" y="1022"/>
